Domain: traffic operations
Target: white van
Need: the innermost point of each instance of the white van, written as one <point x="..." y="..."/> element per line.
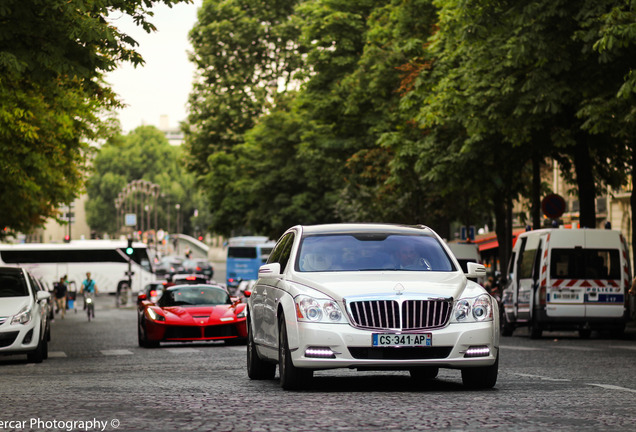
<point x="465" y="253"/>
<point x="567" y="279"/>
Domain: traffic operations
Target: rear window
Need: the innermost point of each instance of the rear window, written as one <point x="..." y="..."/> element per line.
<point x="241" y="252"/>
<point x="585" y="264"/>
<point x="13" y="285"/>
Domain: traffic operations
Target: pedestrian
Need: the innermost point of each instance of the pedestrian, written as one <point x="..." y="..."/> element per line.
<point x="60" y="290"/>
<point x="88" y="286"/>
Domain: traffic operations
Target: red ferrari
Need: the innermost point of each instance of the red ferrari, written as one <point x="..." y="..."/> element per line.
<point x="188" y="313"/>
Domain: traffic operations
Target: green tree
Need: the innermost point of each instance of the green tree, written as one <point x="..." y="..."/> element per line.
<point x="143" y="154"/>
<point x="53" y="54"/>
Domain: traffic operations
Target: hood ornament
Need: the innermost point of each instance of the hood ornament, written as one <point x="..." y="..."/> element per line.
<point x="399" y="289"/>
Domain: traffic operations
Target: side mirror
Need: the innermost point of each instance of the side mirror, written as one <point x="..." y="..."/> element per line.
<point x="42" y="295"/>
<point x="269" y="270"/>
<point x="475" y="270"/>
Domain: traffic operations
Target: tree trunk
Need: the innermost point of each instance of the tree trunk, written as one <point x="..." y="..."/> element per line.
<point x="585" y="182"/>
<point x="536" y="191"/>
<point x="632" y="203"/>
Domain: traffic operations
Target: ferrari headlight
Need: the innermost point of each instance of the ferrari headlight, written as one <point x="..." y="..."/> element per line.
<point x="309" y="309"/>
<point x="22" y="317"/>
<point x="474" y="309"/>
<point x="241" y="314"/>
<point x="154" y="315"/>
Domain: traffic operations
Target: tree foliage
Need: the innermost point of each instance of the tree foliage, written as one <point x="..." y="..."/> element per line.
<point x="143" y="154"/>
<point x="53" y="54"/>
<point x="413" y="111"/>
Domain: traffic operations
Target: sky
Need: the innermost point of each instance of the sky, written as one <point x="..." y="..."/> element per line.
<point x="160" y="87"/>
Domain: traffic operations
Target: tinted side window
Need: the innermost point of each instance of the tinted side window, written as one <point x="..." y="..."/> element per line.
<point x="281" y="251"/>
<point x="527" y="262"/>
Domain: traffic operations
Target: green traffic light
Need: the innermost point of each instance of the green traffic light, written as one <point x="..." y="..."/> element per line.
<point x="129" y="251"/>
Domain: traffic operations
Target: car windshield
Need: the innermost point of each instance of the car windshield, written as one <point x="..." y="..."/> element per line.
<point x="194" y="296"/>
<point x="13" y="285"/>
<point x="372" y="252"/>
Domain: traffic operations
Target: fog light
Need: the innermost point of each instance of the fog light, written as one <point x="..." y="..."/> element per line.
<point x="319" y="352"/>
<point x="28" y="337"/>
<point x="477" y="351"/>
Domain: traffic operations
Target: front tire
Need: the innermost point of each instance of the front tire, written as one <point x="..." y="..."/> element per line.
<point x="291" y="377"/>
<point x="257" y="369"/>
<point x="484" y="377"/>
<point x="40" y="353"/>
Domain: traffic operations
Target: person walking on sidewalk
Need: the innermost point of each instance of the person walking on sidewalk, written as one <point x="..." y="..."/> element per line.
<point x="60" y="290"/>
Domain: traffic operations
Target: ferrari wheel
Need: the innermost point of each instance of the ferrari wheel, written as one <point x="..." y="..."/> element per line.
<point x="257" y="369"/>
<point x="143" y="341"/>
<point x="291" y="377"/>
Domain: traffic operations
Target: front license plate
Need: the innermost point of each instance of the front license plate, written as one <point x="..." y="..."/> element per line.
<point x="408" y="340"/>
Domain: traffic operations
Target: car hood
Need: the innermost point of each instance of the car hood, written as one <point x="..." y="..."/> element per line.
<point x="372" y="284"/>
<point x="200" y="314"/>
<point x="10" y="306"/>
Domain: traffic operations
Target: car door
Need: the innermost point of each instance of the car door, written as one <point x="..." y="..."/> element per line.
<point x="274" y="292"/>
<point x="525" y="280"/>
<point x="260" y="291"/>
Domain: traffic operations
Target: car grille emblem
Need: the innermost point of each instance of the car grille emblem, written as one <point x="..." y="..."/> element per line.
<point x="399" y="289"/>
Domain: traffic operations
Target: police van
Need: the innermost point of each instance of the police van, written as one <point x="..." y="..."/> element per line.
<point x="567" y="279"/>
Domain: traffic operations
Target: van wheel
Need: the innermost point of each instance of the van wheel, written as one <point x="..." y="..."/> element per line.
<point x="506" y="328"/>
<point x="535" y="330"/>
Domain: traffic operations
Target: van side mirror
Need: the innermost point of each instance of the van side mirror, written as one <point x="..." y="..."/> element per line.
<point x="269" y="270"/>
<point x="475" y="270"/>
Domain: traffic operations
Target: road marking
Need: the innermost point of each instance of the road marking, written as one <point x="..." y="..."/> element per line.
<point x="116" y="352"/>
<point x="182" y="350"/>
<point x="240" y="349"/>
<point x="575" y="348"/>
<point x="543" y="378"/>
<point x="633" y="348"/>
<point x="612" y="387"/>
<point x="57" y="354"/>
<point x="520" y="348"/>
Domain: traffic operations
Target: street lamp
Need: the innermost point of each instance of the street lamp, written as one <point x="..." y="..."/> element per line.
<point x="178" y="207"/>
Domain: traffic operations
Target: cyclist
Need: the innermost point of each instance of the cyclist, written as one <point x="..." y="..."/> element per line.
<point x="88" y="287"/>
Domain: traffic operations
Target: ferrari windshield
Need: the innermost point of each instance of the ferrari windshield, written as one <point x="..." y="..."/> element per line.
<point x="194" y="295"/>
<point x="372" y="252"/>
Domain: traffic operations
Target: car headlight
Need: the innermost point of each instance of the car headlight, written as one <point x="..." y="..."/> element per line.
<point x="22" y="317"/>
<point x="474" y="309"/>
<point x="241" y="314"/>
<point x="154" y="315"/>
<point x="309" y="309"/>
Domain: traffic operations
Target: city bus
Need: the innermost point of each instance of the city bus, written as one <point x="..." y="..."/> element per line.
<point x="244" y="257"/>
<point x="106" y="260"/>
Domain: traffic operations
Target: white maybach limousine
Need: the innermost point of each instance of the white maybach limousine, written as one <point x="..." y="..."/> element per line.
<point x="369" y="296"/>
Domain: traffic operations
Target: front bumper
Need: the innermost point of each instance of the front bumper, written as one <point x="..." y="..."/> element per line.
<point x="19" y="338"/>
<point x="352" y="347"/>
<point x="162" y="332"/>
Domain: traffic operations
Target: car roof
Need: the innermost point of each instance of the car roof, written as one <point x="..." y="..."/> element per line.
<point x="359" y="228"/>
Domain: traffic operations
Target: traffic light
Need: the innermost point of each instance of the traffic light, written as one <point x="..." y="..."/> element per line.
<point x="129" y="249"/>
<point x="67" y="238"/>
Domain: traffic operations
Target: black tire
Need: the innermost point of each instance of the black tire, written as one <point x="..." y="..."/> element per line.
<point x="143" y="340"/>
<point x="535" y="330"/>
<point x="257" y="369"/>
<point x="483" y="377"/>
<point x="507" y="329"/>
<point x="425" y="373"/>
<point x="40" y="353"/>
<point x="585" y="333"/>
<point x="291" y="377"/>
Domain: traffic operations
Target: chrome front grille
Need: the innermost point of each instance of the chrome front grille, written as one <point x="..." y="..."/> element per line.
<point x="400" y="314"/>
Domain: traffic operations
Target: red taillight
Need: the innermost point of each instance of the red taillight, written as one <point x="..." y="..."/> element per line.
<point x="542" y="295"/>
<point x="230" y="280"/>
<point x="153" y="293"/>
<point x="198" y="268"/>
<point x="191" y="278"/>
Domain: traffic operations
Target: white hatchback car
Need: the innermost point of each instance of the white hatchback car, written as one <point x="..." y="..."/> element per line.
<point x="24" y="315"/>
<point x="369" y="296"/>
